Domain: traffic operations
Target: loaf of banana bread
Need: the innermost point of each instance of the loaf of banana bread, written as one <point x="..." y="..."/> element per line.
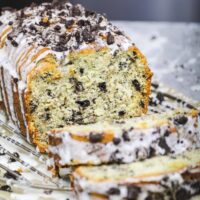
<point x="62" y="64"/>
<point x="126" y="141"/>
<point x="159" y="178"/>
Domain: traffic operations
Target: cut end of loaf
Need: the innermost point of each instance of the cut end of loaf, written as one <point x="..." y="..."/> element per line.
<point x="156" y="178"/>
<point x="92" y="86"/>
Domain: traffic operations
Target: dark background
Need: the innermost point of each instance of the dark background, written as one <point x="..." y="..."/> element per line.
<point x="143" y="10"/>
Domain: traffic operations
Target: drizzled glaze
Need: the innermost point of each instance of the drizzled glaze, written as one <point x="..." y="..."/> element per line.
<point x="47" y="26"/>
<point x="138" y="139"/>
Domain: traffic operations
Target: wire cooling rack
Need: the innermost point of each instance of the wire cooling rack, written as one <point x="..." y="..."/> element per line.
<point x="23" y="170"/>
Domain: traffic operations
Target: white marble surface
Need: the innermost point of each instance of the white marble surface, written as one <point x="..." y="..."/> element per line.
<point x="172" y="50"/>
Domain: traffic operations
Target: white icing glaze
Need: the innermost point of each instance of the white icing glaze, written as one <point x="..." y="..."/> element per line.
<point x="84" y="184"/>
<point x="139" y="146"/>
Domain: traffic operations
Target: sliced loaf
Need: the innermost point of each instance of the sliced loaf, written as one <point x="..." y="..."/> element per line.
<point x="160" y="178"/>
<point x="125" y="141"/>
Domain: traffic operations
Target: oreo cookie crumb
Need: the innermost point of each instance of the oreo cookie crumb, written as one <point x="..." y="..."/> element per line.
<point x="183" y="194"/>
<point x="142" y="104"/>
<point x="69" y="23"/>
<point x="160" y="97"/>
<point x="121" y="113"/>
<point x="116" y="141"/>
<point x="133" y="192"/>
<point x="87" y="36"/>
<point x="113" y="191"/>
<point x="95" y="138"/>
<point x="79" y="87"/>
<point x="32" y="106"/>
<point x="84" y="103"/>
<point x="152" y="102"/>
<point x="57" y="28"/>
<point x="181" y="120"/>
<point x="76" y="11"/>
<point x="81" y="70"/>
<point x="114" y="158"/>
<point x="6" y="188"/>
<point x="153" y="37"/>
<point x="14" y="43"/>
<point x="110" y="39"/>
<point x="48" y="192"/>
<point x="125" y="136"/>
<point x="10" y="23"/>
<point x="136" y="84"/>
<point x="163" y="144"/>
<point x="33" y="27"/>
<point x="102" y="87"/>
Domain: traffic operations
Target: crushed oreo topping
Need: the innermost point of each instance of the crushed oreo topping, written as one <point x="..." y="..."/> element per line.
<point x="57" y="28"/>
<point x="160" y="97"/>
<point x="152" y="102"/>
<point x="183" y="194"/>
<point x="14" y="43"/>
<point x="163" y="144"/>
<point x="95" y="138"/>
<point x="181" y="120"/>
<point x="33" y="27"/>
<point x="10" y="23"/>
<point x="114" y="158"/>
<point x="76" y="11"/>
<point x="87" y="36"/>
<point x="69" y="23"/>
<point x="113" y="191"/>
<point x="6" y="188"/>
<point x="110" y="39"/>
<point x="133" y="192"/>
<point x="116" y="141"/>
<point x="125" y="136"/>
<point x="45" y="23"/>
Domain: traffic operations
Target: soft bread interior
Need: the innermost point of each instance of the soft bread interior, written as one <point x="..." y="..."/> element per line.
<point x="92" y="86"/>
<point x="154" y="167"/>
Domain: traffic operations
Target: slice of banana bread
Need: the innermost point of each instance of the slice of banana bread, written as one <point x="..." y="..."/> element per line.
<point x="125" y="141"/>
<point x="62" y="64"/>
<point x="160" y="178"/>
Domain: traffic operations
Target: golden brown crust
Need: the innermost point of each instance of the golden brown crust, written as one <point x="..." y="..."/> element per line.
<point x="17" y="106"/>
<point x="6" y="96"/>
<point x="97" y="196"/>
<point x="3" y="34"/>
<point x="14" y="102"/>
<point x="46" y="64"/>
<point x="148" y="75"/>
<point x="2" y="103"/>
